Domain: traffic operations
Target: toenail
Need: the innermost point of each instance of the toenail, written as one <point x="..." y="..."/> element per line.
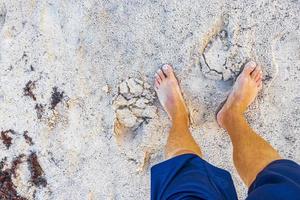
<point x="166" y="66"/>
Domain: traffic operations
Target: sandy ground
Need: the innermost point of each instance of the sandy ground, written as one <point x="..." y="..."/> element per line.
<point x="73" y="74"/>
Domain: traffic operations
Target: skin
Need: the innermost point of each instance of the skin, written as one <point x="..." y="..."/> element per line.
<point x="251" y="153"/>
<point x="180" y="140"/>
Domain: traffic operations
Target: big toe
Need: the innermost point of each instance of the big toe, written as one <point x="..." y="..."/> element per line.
<point x="249" y="67"/>
<point x="168" y="70"/>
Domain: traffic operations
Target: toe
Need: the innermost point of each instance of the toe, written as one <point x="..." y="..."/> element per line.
<point x="249" y="67"/>
<point x="168" y="70"/>
<point x="259" y="81"/>
<point x="157" y="78"/>
<point x="161" y="74"/>
<point x="256" y="72"/>
<point x="258" y="76"/>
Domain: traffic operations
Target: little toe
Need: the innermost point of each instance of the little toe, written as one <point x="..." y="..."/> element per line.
<point x="161" y="74"/>
<point x="258" y="76"/>
<point x="259" y="83"/>
<point x="259" y="80"/>
<point x="168" y="70"/>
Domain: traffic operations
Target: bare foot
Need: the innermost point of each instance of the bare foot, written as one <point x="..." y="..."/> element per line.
<point x="169" y="94"/>
<point x="243" y="92"/>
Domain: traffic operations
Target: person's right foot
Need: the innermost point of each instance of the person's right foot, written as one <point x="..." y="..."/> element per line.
<point x="169" y="95"/>
<point x="243" y="93"/>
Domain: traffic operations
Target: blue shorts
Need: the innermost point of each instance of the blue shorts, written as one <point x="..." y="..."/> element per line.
<point x="189" y="177"/>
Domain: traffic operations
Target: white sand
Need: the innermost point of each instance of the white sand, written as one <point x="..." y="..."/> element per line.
<point x="87" y="48"/>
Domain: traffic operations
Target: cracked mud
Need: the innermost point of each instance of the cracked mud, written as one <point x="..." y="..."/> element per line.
<point x="222" y="57"/>
<point x="133" y="105"/>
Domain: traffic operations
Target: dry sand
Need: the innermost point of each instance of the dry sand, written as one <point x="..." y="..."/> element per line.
<point x="74" y="73"/>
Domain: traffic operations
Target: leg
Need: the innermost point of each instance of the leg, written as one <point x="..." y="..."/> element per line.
<point x="251" y="153"/>
<point x="180" y="140"/>
<point x="186" y="176"/>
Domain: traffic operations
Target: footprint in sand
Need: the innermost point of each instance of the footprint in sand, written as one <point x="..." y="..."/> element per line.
<point x="222" y="54"/>
<point x="133" y="107"/>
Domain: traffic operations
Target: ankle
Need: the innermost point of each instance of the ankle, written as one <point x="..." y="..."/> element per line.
<point x="180" y="121"/>
<point x="227" y="115"/>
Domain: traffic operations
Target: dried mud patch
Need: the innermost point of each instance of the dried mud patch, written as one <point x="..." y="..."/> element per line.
<point x="133" y="106"/>
<point x="223" y="54"/>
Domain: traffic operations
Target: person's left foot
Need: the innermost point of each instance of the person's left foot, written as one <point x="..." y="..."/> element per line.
<point x="169" y="94"/>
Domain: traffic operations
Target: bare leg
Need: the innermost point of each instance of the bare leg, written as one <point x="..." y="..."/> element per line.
<point x="180" y="140"/>
<point x="251" y="153"/>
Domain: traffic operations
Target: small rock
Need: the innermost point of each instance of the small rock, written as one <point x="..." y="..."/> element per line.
<point x="149" y="95"/>
<point x="147" y="85"/>
<point x="137" y="112"/>
<point x="123" y="88"/>
<point x="105" y="88"/>
<point x="132" y="101"/>
<point x="139" y="81"/>
<point x="227" y="75"/>
<point x="134" y="87"/>
<point x="119" y="102"/>
<point x="150" y="111"/>
<point x="141" y="102"/>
